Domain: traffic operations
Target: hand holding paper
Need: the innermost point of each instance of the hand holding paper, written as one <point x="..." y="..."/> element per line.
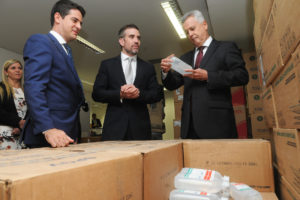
<point x="180" y="66"/>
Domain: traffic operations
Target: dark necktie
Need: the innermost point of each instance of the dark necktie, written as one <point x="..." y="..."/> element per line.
<point x="68" y="48"/>
<point x="199" y="57"/>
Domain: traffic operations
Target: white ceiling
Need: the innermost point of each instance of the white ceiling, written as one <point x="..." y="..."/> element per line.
<point x="229" y="19"/>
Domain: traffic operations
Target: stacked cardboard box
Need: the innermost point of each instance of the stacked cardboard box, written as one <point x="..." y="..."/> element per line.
<point x="178" y="100"/>
<point x="162" y="160"/>
<point x="262" y="11"/>
<point x="239" y="107"/>
<point x="76" y="174"/>
<point x="259" y="128"/>
<point x="246" y="161"/>
<point x="279" y="72"/>
<point x="134" y="170"/>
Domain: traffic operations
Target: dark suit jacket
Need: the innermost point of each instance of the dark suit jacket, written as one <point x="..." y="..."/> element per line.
<point x="97" y="124"/>
<point x="8" y="112"/>
<point x="53" y="90"/>
<point x="130" y="115"/>
<point x="211" y="108"/>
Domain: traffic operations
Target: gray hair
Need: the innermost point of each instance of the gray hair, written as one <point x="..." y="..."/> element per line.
<point x="194" y="13"/>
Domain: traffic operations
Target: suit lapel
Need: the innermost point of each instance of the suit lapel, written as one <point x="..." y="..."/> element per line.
<point x="138" y="73"/>
<point x="210" y="51"/>
<point x="119" y="68"/>
<point x="66" y="57"/>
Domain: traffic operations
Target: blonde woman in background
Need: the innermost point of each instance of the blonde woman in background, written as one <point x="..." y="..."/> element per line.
<point x="12" y="105"/>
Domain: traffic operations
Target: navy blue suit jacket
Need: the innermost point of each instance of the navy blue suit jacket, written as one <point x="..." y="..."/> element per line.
<point x="53" y="90"/>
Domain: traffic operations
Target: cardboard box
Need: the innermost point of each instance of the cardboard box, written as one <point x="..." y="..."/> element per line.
<point x="248" y="161"/>
<point x="241" y="121"/>
<point x="269" y="196"/>
<point x="177" y="128"/>
<point x="287" y="147"/>
<point x="287" y="17"/>
<point x="259" y="127"/>
<point x="162" y="160"/>
<point x="250" y="60"/>
<point x="238" y="96"/>
<point x="271" y="61"/>
<point x="178" y="94"/>
<point x="178" y="110"/>
<point x="75" y="174"/>
<point x="269" y="107"/>
<point x="253" y="85"/>
<point x="255" y="104"/>
<point x="262" y="11"/>
<point x="287" y="93"/>
<point x="287" y="192"/>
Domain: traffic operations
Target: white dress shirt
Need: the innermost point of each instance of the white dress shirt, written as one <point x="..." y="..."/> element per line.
<point x="206" y="45"/>
<point x="60" y="39"/>
<point x="124" y="59"/>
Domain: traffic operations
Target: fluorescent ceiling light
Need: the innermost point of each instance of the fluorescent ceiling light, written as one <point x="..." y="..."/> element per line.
<point x="172" y="10"/>
<point x="89" y="45"/>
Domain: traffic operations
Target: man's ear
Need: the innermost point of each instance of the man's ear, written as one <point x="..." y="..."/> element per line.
<point x="57" y="18"/>
<point x="205" y="25"/>
<point x="121" y="41"/>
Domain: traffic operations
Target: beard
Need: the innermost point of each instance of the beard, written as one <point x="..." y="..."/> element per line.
<point x="132" y="51"/>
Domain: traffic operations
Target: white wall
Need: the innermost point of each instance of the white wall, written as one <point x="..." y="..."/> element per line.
<point x="6" y="55"/>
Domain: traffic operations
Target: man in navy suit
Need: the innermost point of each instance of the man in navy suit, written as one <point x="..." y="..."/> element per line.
<point x="127" y="84"/>
<point x="207" y="111"/>
<point x="52" y="87"/>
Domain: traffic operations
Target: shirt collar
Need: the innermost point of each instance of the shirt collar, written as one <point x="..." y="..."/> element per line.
<point x="57" y="36"/>
<point x="125" y="57"/>
<point x="206" y="43"/>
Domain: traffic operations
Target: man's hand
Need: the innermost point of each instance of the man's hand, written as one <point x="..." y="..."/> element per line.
<point x="16" y="131"/>
<point x="129" y="91"/>
<point x="57" y="138"/>
<point x="197" y="74"/>
<point x="165" y="63"/>
<point x="21" y="123"/>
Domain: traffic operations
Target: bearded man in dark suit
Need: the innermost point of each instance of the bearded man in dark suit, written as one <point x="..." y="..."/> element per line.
<point x="127" y="84"/>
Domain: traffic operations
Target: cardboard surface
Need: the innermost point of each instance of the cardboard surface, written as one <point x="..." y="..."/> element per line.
<point x="70" y="174"/>
<point x="248" y="161"/>
<point x="255" y="104"/>
<point x="271" y="58"/>
<point x="287" y="147"/>
<point x="269" y="107"/>
<point x="262" y="11"/>
<point x="287" y="192"/>
<point x="287" y="17"/>
<point x="177" y="128"/>
<point x="238" y="96"/>
<point x="286" y="89"/>
<point x="253" y="85"/>
<point x="241" y="121"/>
<point x="178" y="110"/>
<point x="269" y="196"/>
<point x="162" y="160"/>
<point x="259" y="127"/>
<point x="178" y="94"/>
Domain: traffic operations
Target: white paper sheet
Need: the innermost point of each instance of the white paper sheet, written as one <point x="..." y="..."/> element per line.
<point x="179" y="66"/>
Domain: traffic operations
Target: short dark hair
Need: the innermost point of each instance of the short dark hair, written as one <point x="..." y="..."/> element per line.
<point x="63" y="7"/>
<point x="122" y="30"/>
